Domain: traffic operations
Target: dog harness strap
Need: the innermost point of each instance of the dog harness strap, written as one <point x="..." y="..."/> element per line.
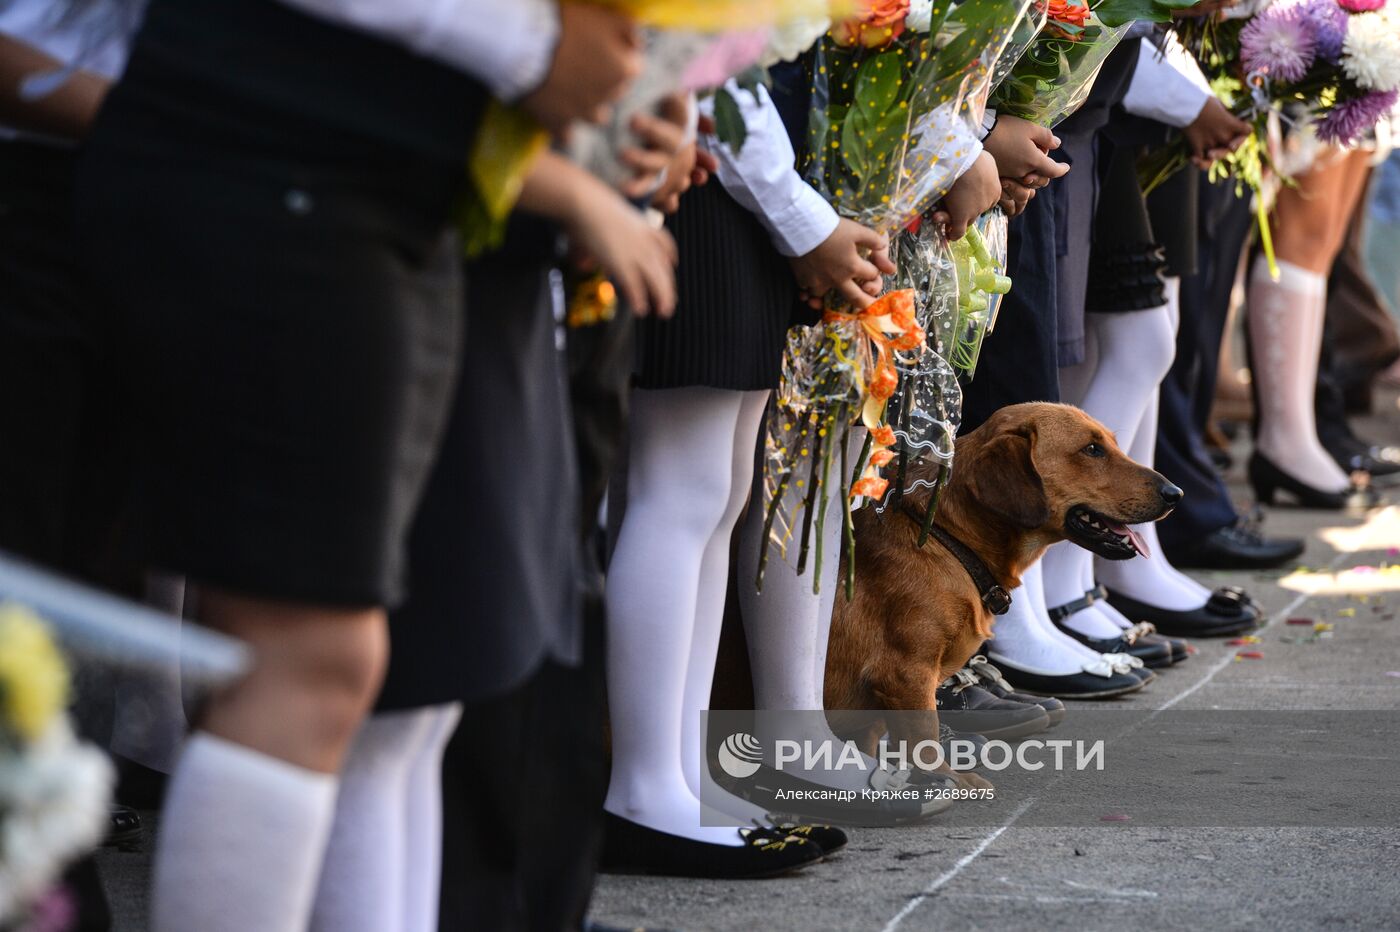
<point x="994" y="596"/>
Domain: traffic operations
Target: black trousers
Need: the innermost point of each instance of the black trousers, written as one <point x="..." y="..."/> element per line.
<point x="1019" y="360"/>
<point x="1189" y="388"/>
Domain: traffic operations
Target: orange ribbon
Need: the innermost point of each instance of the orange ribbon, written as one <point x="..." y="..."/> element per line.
<point x="891" y="326"/>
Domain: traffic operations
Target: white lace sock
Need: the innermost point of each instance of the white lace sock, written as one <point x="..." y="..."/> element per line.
<point x="678" y="494"/>
<point x="242" y="838"/>
<point x="787" y="627"/>
<point x="1285" y="334"/>
<point x="365" y="877"/>
<point x="709" y="618"/>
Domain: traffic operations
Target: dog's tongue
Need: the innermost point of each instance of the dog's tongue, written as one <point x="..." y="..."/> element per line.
<point x="1133" y="536"/>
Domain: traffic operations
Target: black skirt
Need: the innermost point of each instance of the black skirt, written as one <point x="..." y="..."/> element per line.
<point x="284" y="290"/>
<point x="1126" y="263"/>
<point x="737" y="299"/>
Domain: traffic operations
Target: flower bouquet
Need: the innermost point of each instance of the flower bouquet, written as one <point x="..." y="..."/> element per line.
<point x="898" y="96"/>
<point x="1055" y="75"/>
<point x="1333" y="65"/>
<point x="54" y="790"/>
<point x="690" y="46"/>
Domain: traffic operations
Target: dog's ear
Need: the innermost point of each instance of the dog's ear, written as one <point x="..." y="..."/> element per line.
<point x="1004" y="480"/>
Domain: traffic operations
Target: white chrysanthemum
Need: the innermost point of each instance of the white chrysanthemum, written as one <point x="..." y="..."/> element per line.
<point x="920" y="16"/>
<point x="788" y="42"/>
<point x="1371" y="52"/>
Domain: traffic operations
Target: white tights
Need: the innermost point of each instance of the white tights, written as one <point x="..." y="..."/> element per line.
<point x="691" y="461"/>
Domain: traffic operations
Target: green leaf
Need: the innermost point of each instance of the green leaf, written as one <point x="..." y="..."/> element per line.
<point x="1118" y="12"/>
<point x="878" y="120"/>
<point x="730" y="128"/>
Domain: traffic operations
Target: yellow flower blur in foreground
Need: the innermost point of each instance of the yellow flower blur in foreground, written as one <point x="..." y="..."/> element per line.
<point x="33" y="676"/>
<point x="725" y="15"/>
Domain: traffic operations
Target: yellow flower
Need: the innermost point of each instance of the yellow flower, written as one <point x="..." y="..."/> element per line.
<point x="33" y="676"/>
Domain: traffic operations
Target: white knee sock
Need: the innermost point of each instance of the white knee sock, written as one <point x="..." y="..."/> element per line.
<point x="1154" y="581"/>
<point x="423" y="822"/>
<point x="1285" y="333"/>
<point x="678" y="492"/>
<point x="787" y="626"/>
<point x="386" y="843"/>
<point x="709" y="617"/>
<point x="1025" y="638"/>
<point x="242" y="838"/>
<point x="1132" y="353"/>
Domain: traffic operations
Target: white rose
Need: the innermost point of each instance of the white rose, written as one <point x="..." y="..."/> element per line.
<point x="920" y="16"/>
<point x="786" y="43"/>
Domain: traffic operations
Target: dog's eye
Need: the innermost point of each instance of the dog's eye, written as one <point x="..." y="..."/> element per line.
<point x="1095" y="450"/>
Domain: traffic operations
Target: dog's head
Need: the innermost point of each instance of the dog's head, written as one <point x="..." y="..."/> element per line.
<point x="1054" y="469"/>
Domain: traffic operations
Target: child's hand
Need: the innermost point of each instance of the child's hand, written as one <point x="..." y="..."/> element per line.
<point x="977" y="191"/>
<point x="1019" y="147"/>
<point x="1014" y="197"/>
<point x="1214" y="134"/>
<point x="849" y="261"/>
<point x="663" y="137"/>
<point x="639" y="258"/>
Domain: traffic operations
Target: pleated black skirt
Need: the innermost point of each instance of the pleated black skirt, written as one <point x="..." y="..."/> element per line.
<point x="737" y="299"/>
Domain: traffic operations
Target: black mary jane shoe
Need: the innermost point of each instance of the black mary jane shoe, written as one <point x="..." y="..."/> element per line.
<point x="629" y="848"/>
<point x="1085" y="684"/>
<point x="996" y="684"/>
<point x="1229" y="610"/>
<point x="1136" y="641"/>
<point x="1268" y="479"/>
<point x="829" y="838"/>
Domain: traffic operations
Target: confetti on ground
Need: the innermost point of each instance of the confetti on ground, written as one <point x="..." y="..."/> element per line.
<point x="1347" y="612"/>
<point x="1247" y="639"/>
<point x="1300" y="621"/>
<point x="1392" y="672"/>
<point x="1115" y="817"/>
<point x="1250" y="655"/>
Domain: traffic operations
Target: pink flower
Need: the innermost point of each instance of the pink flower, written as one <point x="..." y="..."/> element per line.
<point x="1360" y="6"/>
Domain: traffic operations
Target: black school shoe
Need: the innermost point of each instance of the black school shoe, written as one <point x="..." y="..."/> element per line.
<point x="629" y="848"/>
<point x="1238" y="546"/>
<point x="1228" y="611"/>
<point x="829" y="838"/>
<point x="972" y="708"/>
<point x="1138" y="641"/>
<point x="996" y="684"/>
<point x="1109" y="682"/>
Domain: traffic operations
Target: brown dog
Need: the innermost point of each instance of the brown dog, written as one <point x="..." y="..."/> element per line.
<point x="1032" y="475"/>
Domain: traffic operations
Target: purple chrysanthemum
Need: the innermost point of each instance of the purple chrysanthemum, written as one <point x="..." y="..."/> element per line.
<point x="1347" y="121"/>
<point x="1327" y="22"/>
<point x="1278" y="43"/>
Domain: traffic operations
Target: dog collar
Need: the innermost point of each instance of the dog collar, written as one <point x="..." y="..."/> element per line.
<point x="995" y="598"/>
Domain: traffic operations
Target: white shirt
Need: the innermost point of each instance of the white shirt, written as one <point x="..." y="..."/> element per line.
<point x="95" y="38"/>
<point x="763" y="178"/>
<point x="1167" y="85"/>
<point x="507" y="44"/>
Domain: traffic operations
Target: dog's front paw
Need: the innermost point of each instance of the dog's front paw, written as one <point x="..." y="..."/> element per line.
<point x="971" y="781"/>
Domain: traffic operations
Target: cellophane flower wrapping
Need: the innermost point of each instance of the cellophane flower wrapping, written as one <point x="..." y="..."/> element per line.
<point x="1053" y="77"/>
<point x="896" y="116"/>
